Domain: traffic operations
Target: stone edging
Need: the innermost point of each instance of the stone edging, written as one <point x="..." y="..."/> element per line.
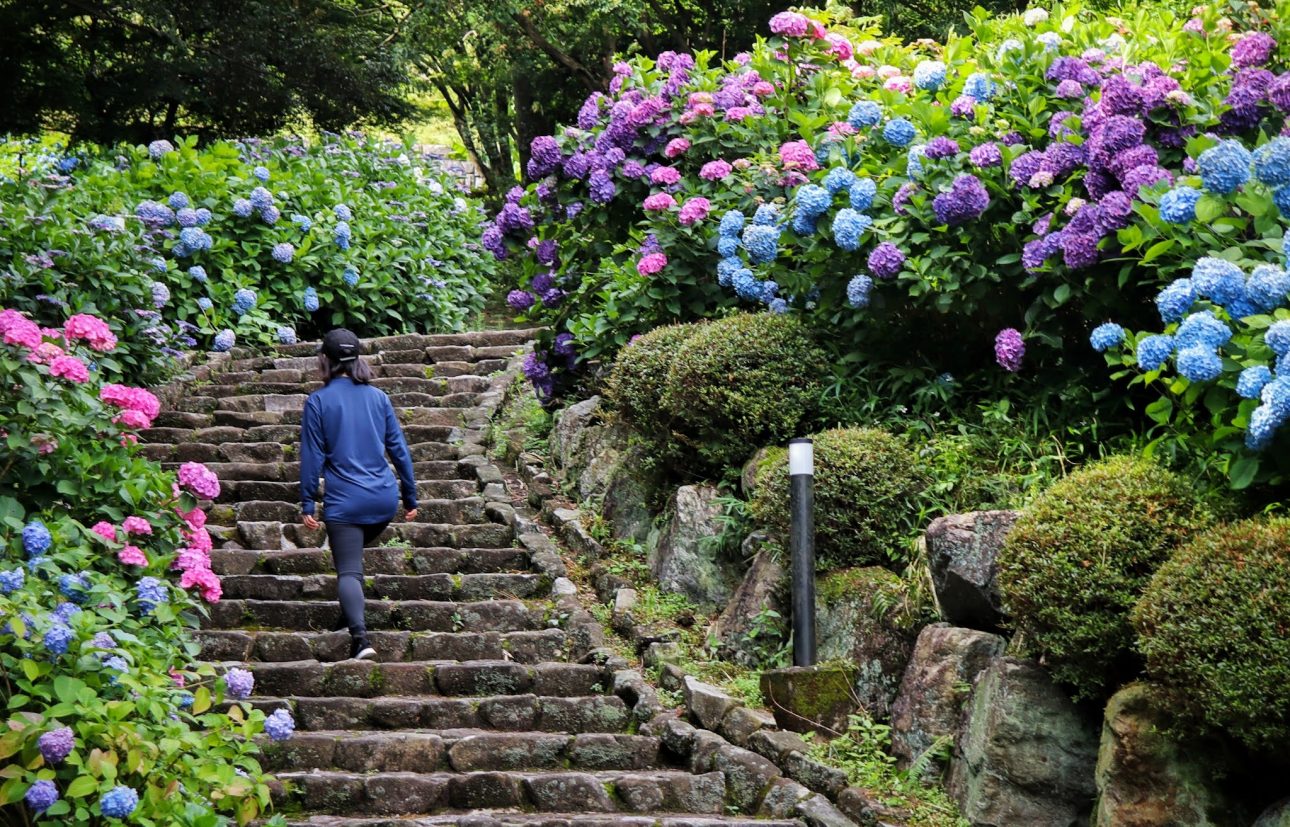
<point x="767" y="769"/>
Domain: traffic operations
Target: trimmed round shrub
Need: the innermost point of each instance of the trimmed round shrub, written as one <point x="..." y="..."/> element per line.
<point x="868" y="488"/>
<point x="639" y="376"/>
<point x="1214" y="625"/>
<point x="1079" y="558"/>
<point x="741" y="382"/>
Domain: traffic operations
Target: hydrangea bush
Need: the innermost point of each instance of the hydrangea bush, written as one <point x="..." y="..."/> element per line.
<point x="104" y="573"/>
<point x="254" y="241"/>
<point x="976" y="207"/>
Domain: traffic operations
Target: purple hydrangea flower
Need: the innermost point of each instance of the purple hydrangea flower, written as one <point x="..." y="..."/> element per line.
<point x="56" y="744"/>
<point x="985" y="156"/>
<point x="965" y="201"/>
<point x="279" y="725"/>
<point x="41" y="795"/>
<point x="240" y="683"/>
<point x="941" y="147"/>
<point x="1009" y="349"/>
<point x="1253" y="49"/>
<point x="520" y="300"/>
<point x="886" y="260"/>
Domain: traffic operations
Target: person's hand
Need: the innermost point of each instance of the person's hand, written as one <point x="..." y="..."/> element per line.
<point x="411" y="516"/>
<point x="310" y="521"/>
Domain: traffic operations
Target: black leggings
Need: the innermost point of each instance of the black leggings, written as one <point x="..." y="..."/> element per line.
<point x="347" y="542"/>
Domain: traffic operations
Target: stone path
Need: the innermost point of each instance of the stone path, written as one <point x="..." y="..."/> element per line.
<point x="478" y="709"/>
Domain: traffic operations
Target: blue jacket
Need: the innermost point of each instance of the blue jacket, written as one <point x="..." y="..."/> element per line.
<point x="345" y="432"/>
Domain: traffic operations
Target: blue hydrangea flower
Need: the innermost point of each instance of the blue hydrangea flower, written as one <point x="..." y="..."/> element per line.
<point x="302" y="221"/>
<point x="839" y="179"/>
<point x="261" y="198"/>
<point x="56" y="639"/>
<point x="899" y="132"/>
<point x="1010" y="45"/>
<point x="813" y="200"/>
<point x="979" y="86"/>
<point x="184" y="700"/>
<point x="862" y="194"/>
<point x="286" y="335"/>
<point x="224" y="341"/>
<point x="310" y="300"/>
<point x="1106" y="336"/>
<point x="848" y="226"/>
<point x="243" y="301"/>
<point x="929" y="75"/>
<point x="1277" y="337"/>
<point x="283" y="252"/>
<point x="279" y="725"/>
<point x="731" y="223"/>
<point x="11" y="580"/>
<point x="261" y="172"/>
<point x="762" y="243"/>
<point x="1267" y="287"/>
<point x="117" y="663"/>
<point x="1178" y="206"/>
<point x="343" y="213"/>
<point x="1276" y="395"/>
<point x="1251" y="381"/>
<point x="187" y="217"/>
<point x="160" y="294"/>
<point x="1272" y="162"/>
<point x="914" y="161"/>
<point x="769" y="289"/>
<point x="726" y="269"/>
<point x="777" y="306"/>
<point x="204" y="303"/>
<point x="194" y="239"/>
<point x="1199" y="364"/>
<point x="1154" y="350"/>
<point x="858" y="290"/>
<point x="178" y="201"/>
<point x="203" y="216"/>
<point x="746" y="285"/>
<point x="243" y="208"/>
<point x="41" y="795"/>
<point x="150" y="591"/>
<point x="118" y="802"/>
<point x="156" y="149"/>
<point x="270" y="215"/>
<point x="1202" y="330"/>
<point x="350" y="275"/>
<point x="1175" y="300"/>
<point x="197" y="273"/>
<point x="64" y="612"/>
<point x="805" y="225"/>
<point x="36" y="538"/>
<point x="240" y="683"/>
<point x="1218" y="280"/>
<point x="766" y="215"/>
<point x="864" y="114"/>
<point x="1051" y="41"/>
<point x="74" y="587"/>
<point x="727" y="246"/>
<point x="1225" y="167"/>
<point x="1263" y="427"/>
<point x="342" y="235"/>
<point x="1281" y="197"/>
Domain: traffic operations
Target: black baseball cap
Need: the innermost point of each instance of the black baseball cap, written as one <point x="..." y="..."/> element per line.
<point x="340" y="345"/>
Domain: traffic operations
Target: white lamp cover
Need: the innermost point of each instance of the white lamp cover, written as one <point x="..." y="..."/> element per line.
<point x="801" y="457"/>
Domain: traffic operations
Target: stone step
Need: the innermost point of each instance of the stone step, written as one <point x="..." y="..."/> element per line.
<point x="391" y="647"/>
<point x="376" y="561"/>
<point x="289" y="492"/>
<point x="500" y="713"/>
<point x="460" y="587"/>
<point x="462" y="751"/>
<point x="281" y="471"/>
<point x="511" y="818"/>
<point x="600" y="792"/>
<point x="460" y="510"/>
<point x="241" y="452"/>
<point x="369" y="679"/>
<point x="395" y="615"/>
<point x="483" y="367"/>
<point x="273" y="535"/>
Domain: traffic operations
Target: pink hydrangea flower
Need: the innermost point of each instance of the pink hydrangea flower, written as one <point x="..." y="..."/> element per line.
<point x="887" y="71"/>
<point x="191" y="558"/>
<point x="44" y="353"/>
<point x="763" y="89"/>
<point x="70" y="368"/>
<point x="194" y="519"/>
<point x="204" y="579"/>
<point x="697" y="98"/>
<point x="19" y="330"/>
<point x="839" y="46"/>
<point x="868" y="47"/>
<point x="199" y="479"/>
<point x="798" y="154"/>
<point x="738" y="113"/>
<point x="899" y="83"/>
<point x="665" y="176"/>
<point x="177" y="677"/>
<point x="863" y="72"/>
<point x="705" y="110"/>
<point x="694" y="211"/>
<point x="651" y="264"/>
<point x="131" y="399"/>
<point x="132" y="556"/>
<point x="92" y="329"/>
<point x="132" y="419"/>
<point x="200" y="539"/>
<point x="715" y="170"/>
<point x="136" y="525"/>
<point x="659" y="202"/>
<point x="675" y="148"/>
<point x="105" y="530"/>
<point x="790" y="24"/>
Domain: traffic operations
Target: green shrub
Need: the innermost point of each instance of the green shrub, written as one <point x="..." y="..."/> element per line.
<point x="741" y="382"/>
<point x="868" y="488"/>
<point x="1079" y="558"/>
<point x="639" y="376"/>
<point x="1214" y="625"/>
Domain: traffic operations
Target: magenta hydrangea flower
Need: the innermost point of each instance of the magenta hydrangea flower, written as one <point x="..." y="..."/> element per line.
<point x="694" y="211"/>
<point x="105" y="530"/>
<point x="651" y="264"/>
<point x="798" y="154"/>
<point x="659" y="202"/>
<point x="665" y="176"/>
<point x="136" y="525"/>
<point x="199" y="479"/>
<point x="790" y="24"/>
<point x="676" y="147"/>
<point x="1009" y="349"/>
<point x="715" y="170"/>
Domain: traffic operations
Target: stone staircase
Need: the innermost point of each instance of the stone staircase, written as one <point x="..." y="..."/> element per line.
<point x="490" y="701"/>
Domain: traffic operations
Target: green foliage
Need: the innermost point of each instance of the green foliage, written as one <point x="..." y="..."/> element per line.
<point x="868" y="486"/>
<point x="740" y="382"/>
<point x="1078" y="559"/>
<point x="1213" y="625"/>
<point x="142" y="69"/>
<point x="141" y="710"/>
<point x="414" y="250"/>
<point x="639" y="375"/>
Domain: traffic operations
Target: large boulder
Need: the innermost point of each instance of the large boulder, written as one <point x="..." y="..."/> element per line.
<point x="586" y="448"/>
<point x="1278" y="815"/>
<point x="685" y="560"/>
<point x="811" y="698"/>
<point x="745" y="631"/>
<point x="963" y="553"/>
<point x="626" y="499"/>
<point x="864" y="617"/>
<point x="1144" y="778"/>
<point x="1026" y="754"/>
<point x="937" y="683"/>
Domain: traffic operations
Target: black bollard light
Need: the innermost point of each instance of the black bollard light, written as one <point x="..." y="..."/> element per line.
<point x="801" y="505"/>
